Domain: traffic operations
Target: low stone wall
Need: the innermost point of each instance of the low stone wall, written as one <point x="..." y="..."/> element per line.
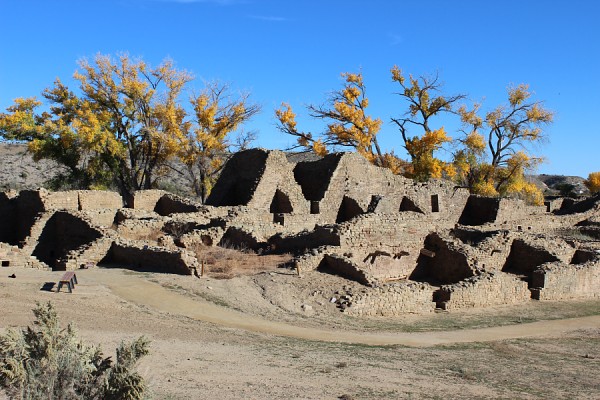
<point x="149" y="258"/>
<point x="321" y="236"/>
<point x="103" y="217"/>
<point x="12" y="256"/>
<point x="313" y="259"/>
<point x="171" y="204"/>
<point x="146" y="199"/>
<point x="348" y="268"/>
<point x="558" y="281"/>
<point x="135" y="229"/>
<point x="96" y="199"/>
<point x="394" y="299"/>
<point x="485" y="290"/>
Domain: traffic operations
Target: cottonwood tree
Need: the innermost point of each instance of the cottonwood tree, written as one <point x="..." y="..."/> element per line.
<point x="348" y="125"/>
<point x="127" y="124"/>
<point x="593" y="182"/>
<point x="207" y="143"/>
<point x="425" y="101"/>
<point x="505" y="134"/>
<point x="120" y="128"/>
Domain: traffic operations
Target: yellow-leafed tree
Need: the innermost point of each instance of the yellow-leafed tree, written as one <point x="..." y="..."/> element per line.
<point x="593" y="182"/>
<point x="121" y="128"/>
<point x="348" y="125"/>
<point x="207" y="143"/>
<point x="505" y="132"/>
<point x="425" y="102"/>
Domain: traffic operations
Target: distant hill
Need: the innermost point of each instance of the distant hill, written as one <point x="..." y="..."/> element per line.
<point x="561" y="185"/>
<point x="18" y="171"/>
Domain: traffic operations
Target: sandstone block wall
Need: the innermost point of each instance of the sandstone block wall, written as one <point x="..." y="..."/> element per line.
<point x="146" y="199"/>
<point x="485" y="290"/>
<point x="557" y="281"/>
<point x="150" y="258"/>
<point x="394" y="299"/>
<point x="99" y="199"/>
<point x="103" y="217"/>
<point x="12" y="256"/>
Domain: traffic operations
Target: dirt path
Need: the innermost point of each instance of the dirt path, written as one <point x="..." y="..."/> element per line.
<point x="142" y="292"/>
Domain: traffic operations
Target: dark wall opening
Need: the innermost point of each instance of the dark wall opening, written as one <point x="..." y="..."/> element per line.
<point x="280" y="203"/>
<point x="349" y="209"/>
<point x="523" y="259"/>
<point x="375" y="199"/>
<point x="583" y="256"/>
<point x="239" y="179"/>
<point x="408" y="205"/>
<point x="435" y="203"/>
<point x="8" y="216"/>
<point x="479" y="211"/>
<point x="314" y="176"/>
<point x="62" y="233"/>
<point x="440" y="265"/>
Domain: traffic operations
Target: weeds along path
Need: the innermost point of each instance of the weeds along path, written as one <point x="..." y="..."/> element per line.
<point x="138" y="290"/>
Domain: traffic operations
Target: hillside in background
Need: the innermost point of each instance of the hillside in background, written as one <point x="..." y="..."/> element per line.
<point x="19" y="171"/>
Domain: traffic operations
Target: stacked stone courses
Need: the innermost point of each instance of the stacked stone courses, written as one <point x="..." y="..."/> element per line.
<point x="414" y="246"/>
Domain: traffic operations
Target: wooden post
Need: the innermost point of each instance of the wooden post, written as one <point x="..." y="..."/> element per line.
<point x="298" y="269"/>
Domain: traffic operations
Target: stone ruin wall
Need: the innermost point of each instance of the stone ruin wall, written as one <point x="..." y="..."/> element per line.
<point x="393" y="300"/>
<point x="366" y="223"/>
<point x="485" y="290"/>
<point x="150" y="258"/>
<point x="556" y="281"/>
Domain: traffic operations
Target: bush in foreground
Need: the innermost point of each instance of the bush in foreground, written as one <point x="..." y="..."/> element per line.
<point x="47" y="362"/>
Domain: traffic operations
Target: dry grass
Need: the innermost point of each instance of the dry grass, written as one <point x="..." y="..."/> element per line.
<point x="227" y="263"/>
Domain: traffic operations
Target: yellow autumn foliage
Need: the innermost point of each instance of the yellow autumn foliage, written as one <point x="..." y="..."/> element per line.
<point x="593" y="182"/>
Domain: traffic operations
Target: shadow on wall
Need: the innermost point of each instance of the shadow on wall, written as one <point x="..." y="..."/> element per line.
<point x="409" y="205"/>
<point x="479" y="211"/>
<point x="62" y="233"/>
<point x="280" y="203"/>
<point x="523" y="259"/>
<point x="349" y="208"/>
<point x="314" y="176"/>
<point x="239" y="179"/>
<point x="437" y="264"/>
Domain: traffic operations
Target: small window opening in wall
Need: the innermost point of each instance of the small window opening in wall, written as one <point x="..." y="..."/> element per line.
<point x="5" y="263"/>
<point x="279" y="218"/>
<point x="435" y="203"/>
<point x="314" y="207"/>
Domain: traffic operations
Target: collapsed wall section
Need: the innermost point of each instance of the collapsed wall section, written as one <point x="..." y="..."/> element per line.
<point x="529" y="252"/>
<point x="442" y="261"/>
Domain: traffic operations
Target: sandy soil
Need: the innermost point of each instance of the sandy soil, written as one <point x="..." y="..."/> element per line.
<point x="242" y="338"/>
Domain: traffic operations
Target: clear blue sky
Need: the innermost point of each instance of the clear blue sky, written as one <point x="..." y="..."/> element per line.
<point x="294" y="51"/>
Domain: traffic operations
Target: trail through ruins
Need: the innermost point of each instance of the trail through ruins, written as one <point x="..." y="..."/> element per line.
<point x="142" y="292"/>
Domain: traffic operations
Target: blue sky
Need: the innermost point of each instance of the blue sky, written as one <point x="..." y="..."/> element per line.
<point x="294" y="51"/>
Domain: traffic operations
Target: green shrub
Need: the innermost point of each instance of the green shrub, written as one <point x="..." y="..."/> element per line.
<point x="47" y="362"/>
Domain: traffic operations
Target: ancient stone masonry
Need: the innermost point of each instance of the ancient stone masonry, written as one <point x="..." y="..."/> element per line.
<point x="485" y="290"/>
<point x="414" y="246"/>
